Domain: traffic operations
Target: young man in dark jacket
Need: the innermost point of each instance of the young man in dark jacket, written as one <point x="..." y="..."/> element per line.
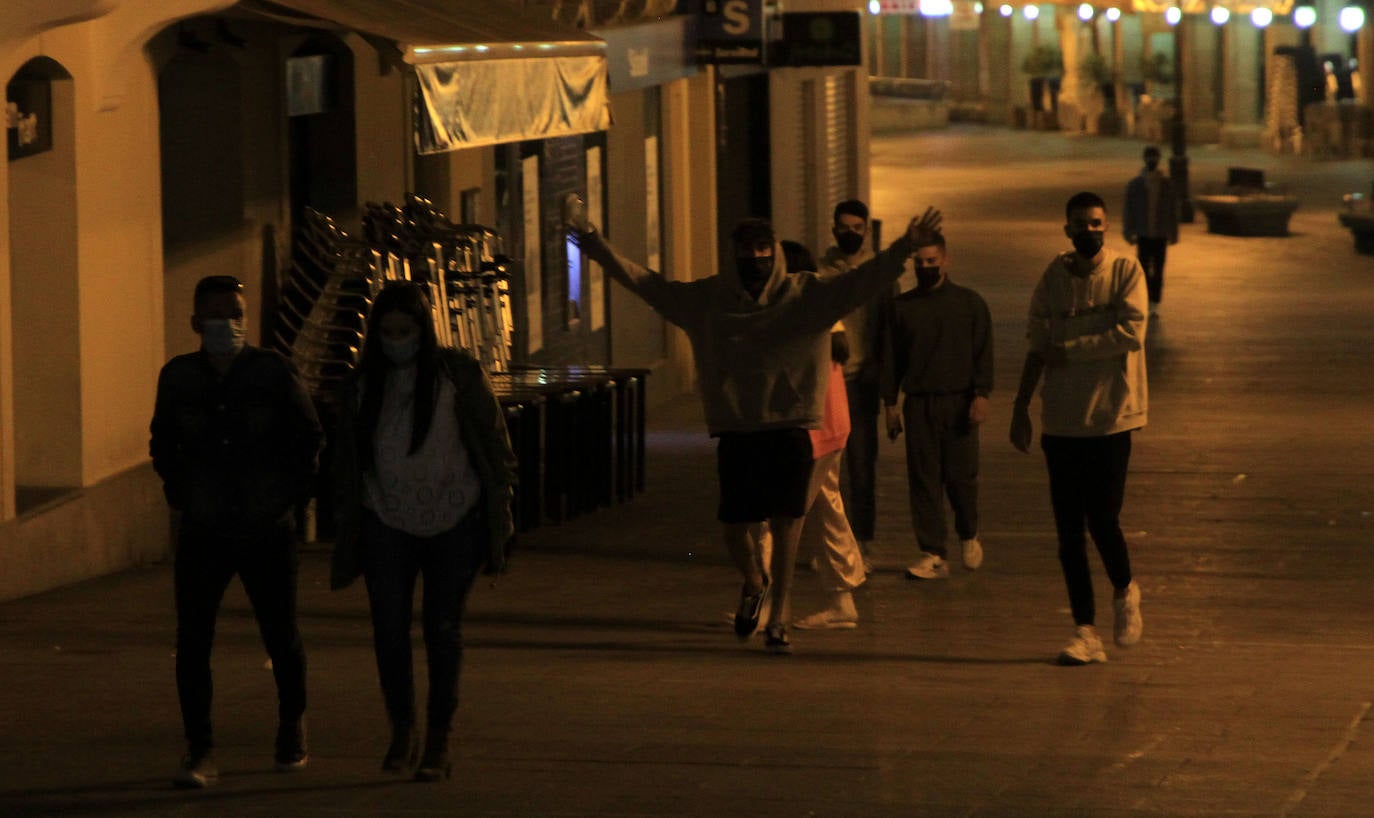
<point x="235" y="439"/>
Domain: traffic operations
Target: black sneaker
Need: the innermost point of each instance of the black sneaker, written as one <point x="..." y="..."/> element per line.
<point x="197" y="772"/>
<point x="749" y="611"/>
<point x="290" y="754"/>
<point x="776" y="641"/>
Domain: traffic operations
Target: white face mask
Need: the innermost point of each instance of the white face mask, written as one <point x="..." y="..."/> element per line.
<point x="222" y="337"/>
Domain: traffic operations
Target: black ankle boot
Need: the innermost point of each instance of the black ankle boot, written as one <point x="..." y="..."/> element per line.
<point x="435" y="764"/>
<point x="403" y="751"/>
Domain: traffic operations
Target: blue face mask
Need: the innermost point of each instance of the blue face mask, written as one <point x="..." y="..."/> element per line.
<point x="401" y="351"/>
<point x="221" y="337"/>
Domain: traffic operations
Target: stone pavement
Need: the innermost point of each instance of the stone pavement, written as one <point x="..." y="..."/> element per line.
<point x="601" y="677"/>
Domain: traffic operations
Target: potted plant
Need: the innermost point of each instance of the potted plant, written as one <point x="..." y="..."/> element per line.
<point x="1097" y="70"/>
<point x="1043" y="65"/>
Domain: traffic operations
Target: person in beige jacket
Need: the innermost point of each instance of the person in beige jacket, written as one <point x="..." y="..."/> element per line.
<point x="761" y="339"/>
<point x="1087" y="339"/>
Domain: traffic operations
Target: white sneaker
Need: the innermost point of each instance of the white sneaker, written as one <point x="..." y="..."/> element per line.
<point x="840" y="615"/>
<point x="973" y="553"/>
<point x="929" y="566"/>
<point x="1129" y="624"/>
<point x="1084" y="649"/>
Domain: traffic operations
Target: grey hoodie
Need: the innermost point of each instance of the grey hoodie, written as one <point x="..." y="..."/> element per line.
<point x="762" y="364"/>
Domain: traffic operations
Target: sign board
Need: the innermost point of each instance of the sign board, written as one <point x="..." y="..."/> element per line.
<point x="899" y="6"/>
<point x="821" y="38"/>
<point x="964" y="16"/>
<point x="731" y="31"/>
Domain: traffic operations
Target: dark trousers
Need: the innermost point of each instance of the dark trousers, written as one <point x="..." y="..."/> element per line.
<point x="266" y="563"/>
<point x="391" y="561"/>
<point x="861" y="458"/>
<point x="1087" y="485"/>
<point x="941" y="460"/>
<point x="1151" y="253"/>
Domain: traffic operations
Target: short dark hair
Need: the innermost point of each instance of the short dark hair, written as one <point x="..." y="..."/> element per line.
<point x="1083" y="200"/>
<point x="850" y="207"/>
<point x="929" y="238"/>
<point x="214" y="285"/>
<point x="753" y="232"/>
<point x="1151" y="150"/>
<point x="799" y="259"/>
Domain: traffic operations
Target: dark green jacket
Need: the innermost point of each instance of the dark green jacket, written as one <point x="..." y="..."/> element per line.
<point x="482" y="424"/>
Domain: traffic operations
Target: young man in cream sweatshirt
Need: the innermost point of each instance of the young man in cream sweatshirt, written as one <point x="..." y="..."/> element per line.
<point x="761" y="339"/>
<point x="1086" y="336"/>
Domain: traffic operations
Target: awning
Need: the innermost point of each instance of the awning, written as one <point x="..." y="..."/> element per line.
<point x="487" y="72"/>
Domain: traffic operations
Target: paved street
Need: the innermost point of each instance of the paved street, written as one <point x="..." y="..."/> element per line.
<point x="601" y="678"/>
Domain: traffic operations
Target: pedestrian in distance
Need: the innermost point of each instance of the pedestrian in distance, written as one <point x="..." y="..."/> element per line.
<point x="761" y="340"/>
<point x="851" y="229"/>
<point x="1150" y="222"/>
<point x="826" y="535"/>
<point x="1086" y="338"/>
<point x="236" y="441"/>
<point x="939" y="362"/>
<point x="424" y="474"/>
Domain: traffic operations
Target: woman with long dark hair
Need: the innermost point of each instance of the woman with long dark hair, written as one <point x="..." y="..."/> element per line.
<point x="424" y="472"/>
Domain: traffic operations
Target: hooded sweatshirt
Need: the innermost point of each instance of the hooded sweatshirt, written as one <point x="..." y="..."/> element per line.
<point x="1099" y="319"/>
<point x="762" y="364"/>
<point x="863" y="325"/>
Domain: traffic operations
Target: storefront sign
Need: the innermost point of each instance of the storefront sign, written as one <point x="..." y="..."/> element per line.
<point x="899" y="6"/>
<point x="731" y="31"/>
<point x="648" y="54"/>
<point x="964" y="16"/>
<point x="28" y="117"/>
<point x="821" y="38"/>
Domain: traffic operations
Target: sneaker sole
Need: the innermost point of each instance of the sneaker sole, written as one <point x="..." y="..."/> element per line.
<point x="188" y="783"/>
<point x="825" y="626"/>
<point x="942" y="575"/>
<point x="1065" y="660"/>
<point x="290" y="766"/>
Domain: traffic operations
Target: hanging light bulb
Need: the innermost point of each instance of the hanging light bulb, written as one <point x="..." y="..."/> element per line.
<point x="1220" y="14"/>
<point x="1172" y="15"/>
<point x="1005" y="10"/>
<point x="1030" y="12"/>
<point x="1351" y="19"/>
<point x="1113" y="14"/>
<point x="1085" y="12"/>
<point x="874" y="6"/>
<point x="1261" y="17"/>
<point x="1304" y="16"/>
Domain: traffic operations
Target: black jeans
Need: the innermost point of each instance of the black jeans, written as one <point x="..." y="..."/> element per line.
<point x="861" y="457"/>
<point x="1151" y="253"/>
<point x="391" y="560"/>
<point x="266" y="563"/>
<point x="941" y="460"/>
<point x="1088" y="483"/>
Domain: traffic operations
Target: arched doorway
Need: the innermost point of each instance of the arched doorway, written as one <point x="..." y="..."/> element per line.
<point x="45" y="393"/>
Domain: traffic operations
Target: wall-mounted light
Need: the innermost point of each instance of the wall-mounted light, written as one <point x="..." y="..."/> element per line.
<point x="1304" y="16"/>
<point x="1351" y="19"/>
<point x="874" y="7"/>
<point x="937" y="8"/>
<point x="1261" y="17"/>
<point x="1220" y="14"/>
<point x="1006" y="10"/>
<point x="1172" y="15"/>
<point x="1113" y="14"/>
<point x="1030" y="12"/>
<point x="1085" y="12"/>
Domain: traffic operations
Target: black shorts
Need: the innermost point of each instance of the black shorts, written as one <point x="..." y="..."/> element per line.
<point x="763" y="474"/>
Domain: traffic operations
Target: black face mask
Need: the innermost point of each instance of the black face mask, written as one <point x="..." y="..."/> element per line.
<point x="849" y="243"/>
<point x="754" y="271"/>
<point x="1088" y="243"/>
<point x="1151" y="164"/>
<point x="927" y="277"/>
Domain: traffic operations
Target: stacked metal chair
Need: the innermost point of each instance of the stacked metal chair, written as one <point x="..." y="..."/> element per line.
<point x="323" y="303"/>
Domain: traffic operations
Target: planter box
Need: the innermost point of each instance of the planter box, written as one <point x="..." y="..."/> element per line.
<point x="1361" y="226"/>
<point x="1260" y="214"/>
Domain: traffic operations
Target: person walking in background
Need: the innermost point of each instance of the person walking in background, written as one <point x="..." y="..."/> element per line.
<point x="861" y="374"/>
<point x="1150" y="222"/>
<point x="236" y="441"/>
<point x="423" y="474"/>
<point x="825" y="533"/>
<point x="761" y="339"/>
<point x="1086" y="337"/>
<point x="939" y="358"/>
